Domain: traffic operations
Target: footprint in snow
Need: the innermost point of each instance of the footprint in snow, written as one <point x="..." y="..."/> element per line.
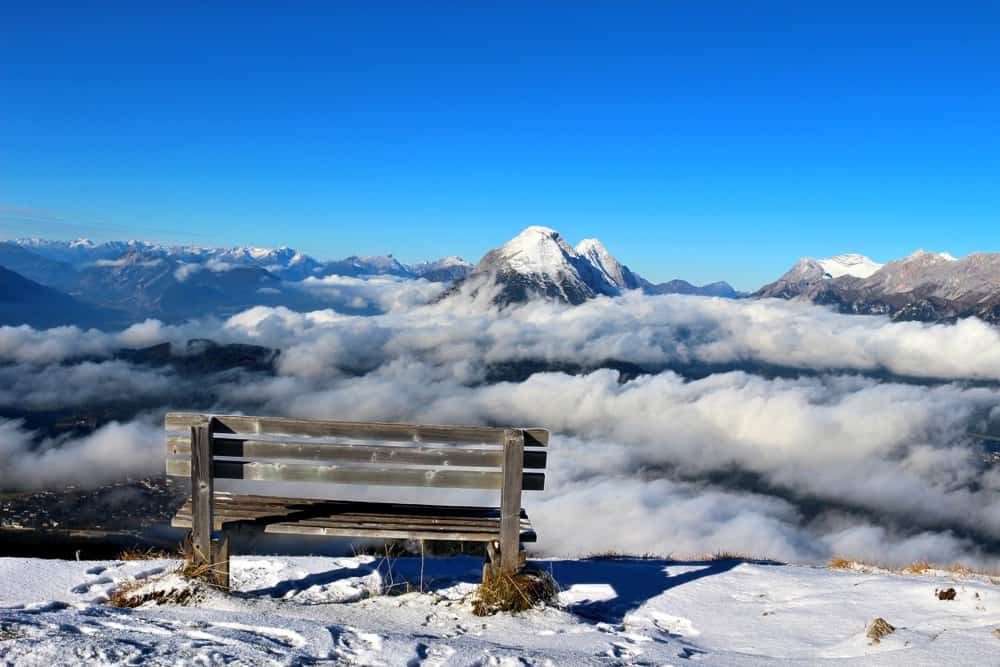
<point x="87" y="586"/>
<point x="431" y="656"/>
<point x="350" y="644"/>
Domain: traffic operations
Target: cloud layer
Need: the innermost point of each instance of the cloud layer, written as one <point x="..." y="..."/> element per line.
<point x="768" y="427"/>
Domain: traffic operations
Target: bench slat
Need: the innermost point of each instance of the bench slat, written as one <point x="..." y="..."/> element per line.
<point x="468" y="435"/>
<point x="223" y="515"/>
<point x="229" y="499"/>
<point x="367" y="475"/>
<point x="330" y="531"/>
<point x="360" y="453"/>
<point x="361" y="519"/>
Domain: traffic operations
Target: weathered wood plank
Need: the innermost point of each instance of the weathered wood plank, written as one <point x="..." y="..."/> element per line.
<point x="319" y="510"/>
<point x="357" y="453"/>
<point x="510" y="500"/>
<point x="493" y="527"/>
<point x="442" y="478"/>
<point x="200" y="470"/>
<point x="299" y="529"/>
<point x="182" y="421"/>
<point x="362" y="506"/>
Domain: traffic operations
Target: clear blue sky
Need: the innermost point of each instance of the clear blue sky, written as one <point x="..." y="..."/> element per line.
<point x="698" y="139"/>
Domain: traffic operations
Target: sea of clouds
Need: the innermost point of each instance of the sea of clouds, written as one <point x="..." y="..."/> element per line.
<point x="767" y="427"/>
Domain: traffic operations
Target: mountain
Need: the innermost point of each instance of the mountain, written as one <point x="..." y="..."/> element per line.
<point x="445" y="270"/>
<point x="720" y="289"/>
<point x="50" y="272"/>
<point x="539" y="262"/>
<point x="924" y="286"/>
<point x="150" y="284"/>
<point x="609" y="268"/>
<point x="24" y="301"/>
<point x="284" y="262"/>
<point x="379" y="265"/>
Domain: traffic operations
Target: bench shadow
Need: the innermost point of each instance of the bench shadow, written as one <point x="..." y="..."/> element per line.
<point x="608" y="589"/>
<point x="283" y="588"/>
<point x="436" y="573"/>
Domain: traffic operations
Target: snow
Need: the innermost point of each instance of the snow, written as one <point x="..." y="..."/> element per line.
<point x="920" y="253"/>
<point x="850" y="264"/>
<point x="304" y="610"/>
<point x="606" y="264"/>
<point x="539" y="250"/>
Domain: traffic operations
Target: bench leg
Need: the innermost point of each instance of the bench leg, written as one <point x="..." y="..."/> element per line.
<point x="220" y="561"/>
<point x="491" y="565"/>
<point x="510" y="501"/>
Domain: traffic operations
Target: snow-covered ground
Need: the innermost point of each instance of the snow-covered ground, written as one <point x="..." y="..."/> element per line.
<point x="309" y="610"/>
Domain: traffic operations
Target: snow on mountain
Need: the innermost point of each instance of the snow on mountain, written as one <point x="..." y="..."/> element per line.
<point x="539" y="262"/>
<point x="810" y="269"/>
<point x="926" y="286"/>
<point x="607" y="264"/>
<point x="285" y="262"/>
<point x="446" y="269"/>
<point x="850" y="264"/>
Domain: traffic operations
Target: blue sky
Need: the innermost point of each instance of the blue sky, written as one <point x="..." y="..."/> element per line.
<point x="703" y="140"/>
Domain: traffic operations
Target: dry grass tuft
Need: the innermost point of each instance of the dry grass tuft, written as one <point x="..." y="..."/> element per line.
<point x="996" y="633"/>
<point x="519" y="592"/>
<point x="878" y="629"/>
<point x="916" y="568"/>
<point x="145" y="554"/>
<point x="131" y="595"/>
<point x="734" y="555"/>
<point x="612" y="554"/>
<point x="194" y="567"/>
<point x="919" y="567"/>
<point x="9" y="632"/>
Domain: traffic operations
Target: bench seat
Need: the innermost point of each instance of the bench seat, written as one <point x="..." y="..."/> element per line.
<point x="355" y="519"/>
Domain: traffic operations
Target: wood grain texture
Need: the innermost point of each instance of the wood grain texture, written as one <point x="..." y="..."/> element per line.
<point x="412" y="433"/>
<point x="441" y="478"/>
<point x="202" y="504"/>
<point x="510" y="500"/>
<point x="178" y="445"/>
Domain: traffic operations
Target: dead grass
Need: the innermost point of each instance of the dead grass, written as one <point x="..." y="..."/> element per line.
<point x="919" y="567"/>
<point x="131" y="595"/>
<point x="145" y="554"/>
<point x="878" y="629"/>
<point x="735" y="555"/>
<point x="612" y="554"/>
<point x="525" y="590"/>
<point x="10" y="632"/>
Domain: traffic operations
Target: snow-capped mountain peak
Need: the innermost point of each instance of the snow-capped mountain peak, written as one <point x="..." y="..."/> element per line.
<point x="538" y="250"/>
<point x="849" y="264"/>
<point x="920" y="253"/>
<point x="539" y="261"/>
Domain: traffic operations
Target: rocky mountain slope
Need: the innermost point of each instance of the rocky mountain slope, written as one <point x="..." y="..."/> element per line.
<point x="24" y="301"/>
<point x="925" y="286"/>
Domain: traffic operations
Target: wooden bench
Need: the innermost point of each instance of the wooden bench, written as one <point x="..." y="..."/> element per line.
<point x="271" y="449"/>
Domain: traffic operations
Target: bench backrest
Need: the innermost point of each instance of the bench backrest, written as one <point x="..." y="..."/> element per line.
<point x="297" y="450"/>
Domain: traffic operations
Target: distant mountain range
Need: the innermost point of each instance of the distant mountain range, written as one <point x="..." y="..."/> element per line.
<point x="46" y="283"/>
<point x="107" y="284"/>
